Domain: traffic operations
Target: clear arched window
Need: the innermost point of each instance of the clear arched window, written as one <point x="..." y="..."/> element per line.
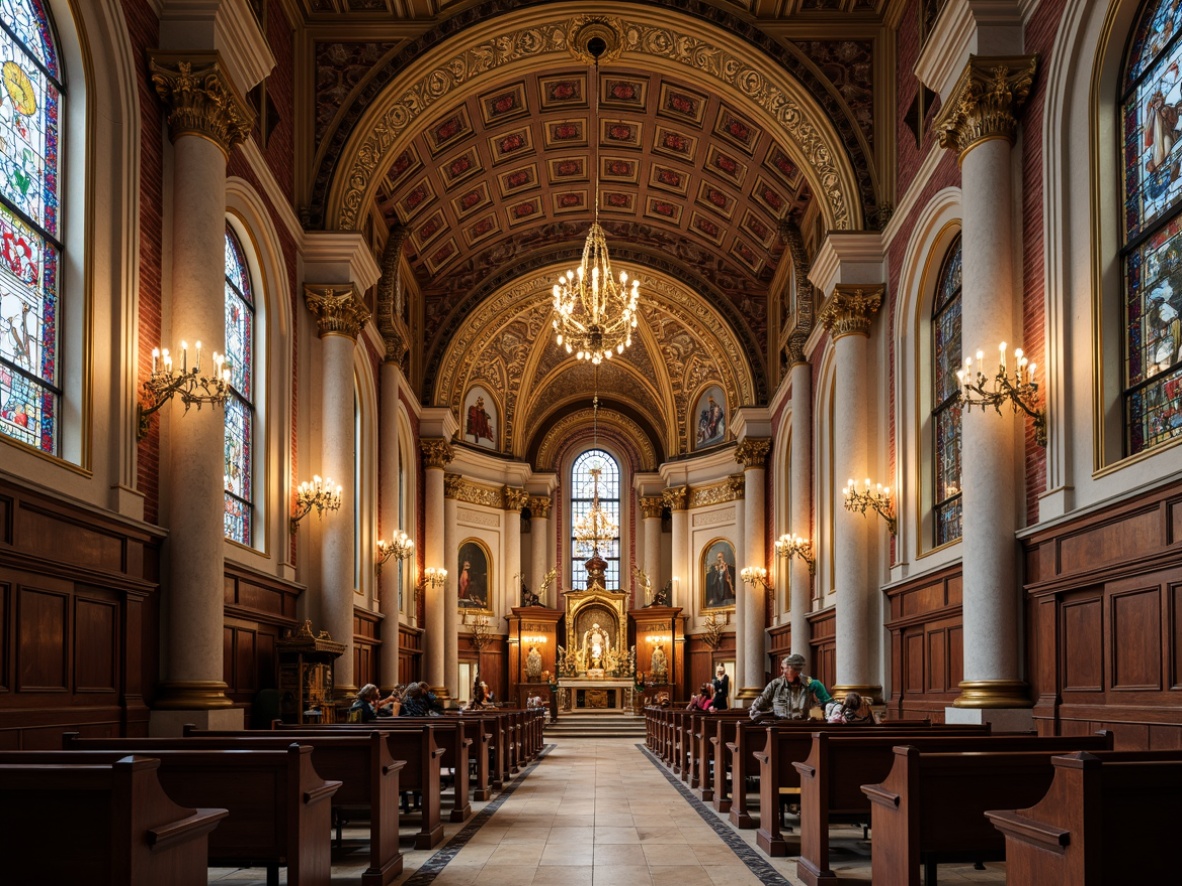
<point x="946" y="436"/>
<point x="1150" y="107"/>
<point x="240" y="412"/>
<point x="583" y="486"/>
<point x="31" y="110"/>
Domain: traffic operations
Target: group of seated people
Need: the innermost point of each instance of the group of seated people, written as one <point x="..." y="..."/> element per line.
<point x="411" y="700"/>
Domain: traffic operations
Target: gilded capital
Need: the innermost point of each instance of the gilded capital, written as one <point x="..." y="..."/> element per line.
<point x="539" y="506"/>
<point x="201" y="99"/>
<point x="437" y="453"/>
<point x="675" y="499"/>
<point x="752" y="452"/>
<point x="849" y="309"/>
<point x="453" y="486"/>
<point x="985" y="102"/>
<point x="515" y="498"/>
<point x="338" y="311"/>
<point x="650" y="505"/>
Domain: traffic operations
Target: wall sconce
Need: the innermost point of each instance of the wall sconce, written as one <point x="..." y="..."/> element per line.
<point x="755" y="575"/>
<point x="876" y="498"/>
<point x="1019" y="389"/>
<point x="534" y="639"/>
<point x="319" y="494"/>
<point x="399" y="546"/>
<point x="434" y="577"/>
<point x="664" y="639"/>
<point x="189" y="384"/>
<point x="713" y="635"/>
<point x="790" y="546"/>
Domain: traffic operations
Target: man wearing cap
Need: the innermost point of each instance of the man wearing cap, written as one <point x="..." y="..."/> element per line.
<point x="792" y="694"/>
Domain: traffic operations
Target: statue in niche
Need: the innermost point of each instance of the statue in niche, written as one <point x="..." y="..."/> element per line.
<point x="533" y="665"/>
<point x="596" y="645"/>
<point x="659" y="665"/>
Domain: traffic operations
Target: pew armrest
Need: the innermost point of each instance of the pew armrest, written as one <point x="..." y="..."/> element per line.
<point x="1029" y="830"/>
<point x="882" y="797"/>
<point x="172" y="833"/>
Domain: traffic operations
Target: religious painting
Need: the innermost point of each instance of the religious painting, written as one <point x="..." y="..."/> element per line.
<point x="718" y="574"/>
<point x="709" y="418"/>
<point x="480" y="418"/>
<point x="473" y="577"/>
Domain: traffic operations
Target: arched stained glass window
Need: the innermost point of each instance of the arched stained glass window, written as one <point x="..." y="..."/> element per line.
<point x="31" y="107"/>
<point x="582" y="485"/>
<point x="239" y="439"/>
<point x="1150" y="107"/>
<point x="946" y="442"/>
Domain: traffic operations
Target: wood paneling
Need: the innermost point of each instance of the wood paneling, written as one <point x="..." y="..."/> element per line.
<point x="259" y="608"/>
<point x="1136" y="639"/>
<point x="42" y="644"/>
<point x="95" y="643"/>
<point x="1083" y="651"/>
<point x="927" y="644"/>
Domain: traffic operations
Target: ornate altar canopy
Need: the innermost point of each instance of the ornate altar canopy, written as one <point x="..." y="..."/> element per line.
<point x="596" y="636"/>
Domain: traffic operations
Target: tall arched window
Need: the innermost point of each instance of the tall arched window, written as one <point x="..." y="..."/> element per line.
<point x="946" y="353"/>
<point x="1150" y="106"/>
<point x="582" y="493"/>
<point x="240" y="413"/>
<point x="31" y="109"/>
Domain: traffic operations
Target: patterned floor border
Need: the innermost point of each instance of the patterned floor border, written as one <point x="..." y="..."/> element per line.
<point x="748" y="855"/>
<point x="434" y="865"/>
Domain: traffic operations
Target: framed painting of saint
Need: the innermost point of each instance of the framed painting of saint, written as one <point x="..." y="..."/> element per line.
<point x="479" y="418"/>
<point x="709" y="418"/>
<point x="718" y="575"/>
<point x="473" y="577"/>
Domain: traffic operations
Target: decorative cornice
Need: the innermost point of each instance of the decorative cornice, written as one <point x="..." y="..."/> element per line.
<point x="730" y="489"/>
<point x="436" y="453"/>
<point x="515" y="499"/>
<point x="676" y="498"/>
<point x="752" y="452"/>
<point x="389" y="299"/>
<point x="539" y="506"/>
<point x="460" y="489"/>
<point x="985" y="102"/>
<point x="801" y="310"/>
<point x="795" y="348"/>
<point x="338" y="310"/>
<point x="650" y="505"/>
<point x="201" y="99"/>
<point x="849" y="309"/>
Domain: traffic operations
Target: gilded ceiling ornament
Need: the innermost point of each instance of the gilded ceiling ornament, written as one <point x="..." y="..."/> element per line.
<point x="539" y="506"/>
<point x="795" y="348"/>
<point x="752" y="452"/>
<point x="650" y="506"/>
<point x="437" y="453"/>
<point x="201" y="99"/>
<point x="730" y="489"/>
<point x="848" y="311"/>
<point x="388" y="300"/>
<point x="338" y="310"/>
<point x="800" y="312"/>
<point x="515" y="498"/>
<point x="676" y="498"/>
<point x="558" y="435"/>
<point x="985" y="102"/>
<point x="584" y="28"/>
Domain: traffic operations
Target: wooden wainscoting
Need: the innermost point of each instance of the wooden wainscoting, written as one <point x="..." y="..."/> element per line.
<point x="258" y="609"/>
<point x="366" y="646"/>
<point x="927" y="644"/>
<point x="701" y="660"/>
<point x="1104" y="616"/>
<point x="410" y="654"/>
<point x="822" y="663"/>
<point x="492" y="662"/>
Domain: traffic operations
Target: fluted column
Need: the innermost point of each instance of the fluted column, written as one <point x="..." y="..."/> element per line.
<point x="677" y="501"/>
<point x="847" y="315"/>
<point x="515" y="499"/>
<point x="452" y="483"/>
<point x="437" y="454"/>
<point x="979" y="124"/>
<point x="540" y="556"/>
<point x="206" y="119"/>
<point x="800" y="492"/>
<point x="340" y="313"/>
<point x="650" y="509"/>
<point x="751" y="453"/>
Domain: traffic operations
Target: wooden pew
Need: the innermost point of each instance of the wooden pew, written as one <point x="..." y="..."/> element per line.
<point x="108" y="824"/>
<point x="838" y="765"/>
<point x="931" y="808"/>
<point x="280" y="809"/>
<point x="369" y="776"/>
<point x="493" y="725"/>
<point x="705" y="727"/>
<point x="1106" y="818"/>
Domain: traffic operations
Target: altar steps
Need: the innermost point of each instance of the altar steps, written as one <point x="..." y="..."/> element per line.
<point x="606" y="725"/>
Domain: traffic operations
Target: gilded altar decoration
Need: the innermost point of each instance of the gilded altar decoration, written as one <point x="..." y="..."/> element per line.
<point x="201" y="98"/>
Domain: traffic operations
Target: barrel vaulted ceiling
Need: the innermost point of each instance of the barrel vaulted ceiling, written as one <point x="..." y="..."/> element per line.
<point x="471" y="128"/>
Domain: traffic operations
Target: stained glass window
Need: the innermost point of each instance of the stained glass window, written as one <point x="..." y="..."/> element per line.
<point x="239" y="438"/>
<point x="1150" y="107"/>
<point x="946" y="354"/>
<point x="31" y="100"/>
<point x="582" y="492"/>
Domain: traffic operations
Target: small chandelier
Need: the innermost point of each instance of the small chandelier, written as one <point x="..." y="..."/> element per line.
<point x="400" y="546"/>
<point x="189" y="384"/>
<point x="595" y="314"/>
<point x="1017" y="388"/>
<point x="321" y="494"/>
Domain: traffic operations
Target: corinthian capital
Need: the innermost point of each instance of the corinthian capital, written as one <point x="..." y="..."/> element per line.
<point x="650" y="506"/>
<point x="201" y="99"/>
<point x="985" y="102"/>
<point x="849" y="309"/>
<point x="676" y="498"/>
<point x="437" y="453"/>
<point x="752" y="452"/>
<point x="515" y="498"/>
<point x="539" y="506"/>
<point x="338" y="311"/>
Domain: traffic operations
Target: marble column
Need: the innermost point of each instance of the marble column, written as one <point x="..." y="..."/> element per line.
<point x="452" y="485"/>
<point x="515" y="499"/>
<point x="206" y="119"/>
<point x="847" y="314"/>
<point x="800" y="492"/>
<point x="677" y="501"/>
<point x="650" y="509"/>
<point x="979" y="124"/>
<point x="437" y="454"/>
<point x="340" y="314"/>
<point x="541" y="558"/>
<point x="750" y="607"/>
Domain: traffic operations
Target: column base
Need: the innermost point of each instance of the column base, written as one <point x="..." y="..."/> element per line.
<point x="1001" y="719"/>
<point x="868" y="691"/>
<point x="199" y="695"/>
<point x="171" y="723"/>
<point x="747" y="693"/>
<point x="993" y="694"/>
<point x="442" y="695"/>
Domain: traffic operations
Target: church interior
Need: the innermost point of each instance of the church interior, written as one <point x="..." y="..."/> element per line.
<point x="582" y="348"/>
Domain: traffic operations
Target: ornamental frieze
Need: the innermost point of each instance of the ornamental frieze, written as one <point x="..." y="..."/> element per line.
<point x="985" y="102"/>
<point x="201" y="99"/>
<point x="850" y="310"/>
<point x="730" y="489"/>
<point x="469" y="517"/>
<point x="714" y="518"/>
<point x="461" y="489"/>
<point x="338" y="310"/>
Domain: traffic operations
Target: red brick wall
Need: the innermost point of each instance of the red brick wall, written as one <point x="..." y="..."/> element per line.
<point x="280" y="150"/>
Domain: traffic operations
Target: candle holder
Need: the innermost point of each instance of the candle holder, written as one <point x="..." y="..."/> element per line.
<point x="876" y="498"/>
<point x="319" y="494"/>
<point x="481" y="631"/>
<point x="1018" y="389"/>
<point x="190" y="385"/>
<point x="400" y="547"/>
<point x="755" y="575"/>
<point x="790" y="546"/>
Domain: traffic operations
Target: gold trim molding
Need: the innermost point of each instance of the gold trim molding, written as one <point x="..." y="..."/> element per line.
<point x="730" y="489"/>
<point x="461" y="489"/>
<point x="676" y="498"/>
<point x="850" y="309"/>
<point x="192" y="695"/>
<point x="338" y="311"/>
<point x="437" y="453"/>
<point x="993" y="694"/>
<point x="985" y="102"/>
<point x="585" y="28"/>
<point x="201" y="98"/>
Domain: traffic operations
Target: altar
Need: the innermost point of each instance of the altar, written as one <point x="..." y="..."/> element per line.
<point x="581" y="696"/>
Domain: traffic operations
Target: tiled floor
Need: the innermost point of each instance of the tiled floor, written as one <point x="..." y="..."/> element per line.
<point x="598" y="813"/>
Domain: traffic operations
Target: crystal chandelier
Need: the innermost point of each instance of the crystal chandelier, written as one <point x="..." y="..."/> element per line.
<point x="595" y="314"/>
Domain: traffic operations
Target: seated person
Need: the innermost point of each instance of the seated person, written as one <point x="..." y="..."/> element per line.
<point x="852" y="709"/>
<point x="369" y="702"/>
<point x="433" y="705"/>
<point x="412" y="702"/>
<point x="703" y="700"/>
<point x="792" y="694"/>
<point x="479" y="696"/>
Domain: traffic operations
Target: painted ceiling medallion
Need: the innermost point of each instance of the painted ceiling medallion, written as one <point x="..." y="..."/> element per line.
<point x="585" y="28"/>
